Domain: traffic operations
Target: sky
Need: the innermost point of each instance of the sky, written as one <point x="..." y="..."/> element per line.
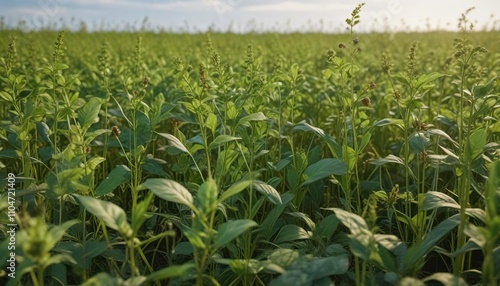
<point x="250" y="15"/>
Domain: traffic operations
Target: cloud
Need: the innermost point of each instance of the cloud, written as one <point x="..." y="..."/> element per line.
<point x="294" y="6"/>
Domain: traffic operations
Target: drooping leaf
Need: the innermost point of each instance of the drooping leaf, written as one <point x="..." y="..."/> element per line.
<point x="174" y="142"/>
<point x="259" y="116"/>
<point x="222" y="139"/>
<point x="335" y="148"/>
<point x="170" y="191"/>
<point x="112" y="215"/>
<point x="389" y="159"/>
<point x="268" y="191"/>
<point x="291" y="232"/>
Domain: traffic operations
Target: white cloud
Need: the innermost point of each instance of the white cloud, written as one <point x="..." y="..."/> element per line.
<point x="294" y="6"/>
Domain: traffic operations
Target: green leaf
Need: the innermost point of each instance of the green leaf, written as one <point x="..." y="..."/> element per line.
<point x="236" y="188"/>
<point x="434" y="200"/>
<point x="207" y="196"/>
<point x="259" y="116"/>
<point x="139" y="212"/>
<point x="335" y="148"/>
<point x="313" y="272"/>
<point x="94" y="162"/>
<point x="418" y="142"/>
<point x="172" y="272"/>
<point x="89" y="113"/>
<point x="324" y="168"/>
<point x="269" y="191"/>
<point x="291" y="232"/>
<point x="327" y="227"/>
<point x="353" y="222"/>
<point x="119" y="175"/>
<point x="112" y="215"/>
<point x="231" y="230"/>
<point x="211" y="122"/>
<point x="389" y="121"/>
<point x="424" y="80"/>
<point x="103" y="279"/>
<point x="389" y="159"/>
<point x="170" y="191"/>
<point x="415" y="254"/>
<point x="268" y="225"/>
<point x="447" y="279"/>
<point x="55" y="234"/>
<point x="222" y="139"/>
<point x="174" y="142"/>
<point x="476" y="143"/>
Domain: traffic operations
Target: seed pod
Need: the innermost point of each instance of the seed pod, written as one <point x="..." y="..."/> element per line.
<point x="116" y="131"/>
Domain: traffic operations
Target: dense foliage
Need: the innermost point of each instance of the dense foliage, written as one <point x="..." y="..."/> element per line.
<point x="257" y="159"/>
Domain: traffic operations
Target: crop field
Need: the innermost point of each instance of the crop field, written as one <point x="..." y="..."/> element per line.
<point x="140" y="158"/>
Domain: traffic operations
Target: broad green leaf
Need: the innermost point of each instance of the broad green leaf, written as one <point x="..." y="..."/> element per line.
<point x="211" y="122"/>
<point x="313" y="271"/>
<point x="327" y="227"/>
<point x="103" y="279"/>
<point x="231" y="230"/>
<point x="172" y="272"/>
<point x="418" y="142"/>
<point x="207" y="196"/>
<point x="353" y="222"/>
<point x="174" y="142"/>
<point x="222" y="139"/>
<point x="415" y="253"/>
<point x="389" y="159"/>
<point x="268" y="191"/>
<point x="259" y="116"/>
<point x="119" y="175"/>
<point x="425" y="80"/>
<point x="60" y="259"/>
<point x="170" y="191"/>
<point x="476" y="142"/>
<point x="55" y="234"/>
<point x="493" y="191"/>
<point x="268" y="225"/>
<point x="64" y="182"/>
<point x="335" y="148"/>
<point x="324" y="168"/>
<point x="284" y="257"/>
<point x="94" y="162"/>
<point x="441" y="133"/>
<point x="112" y="215"/>
<point x="89" y="113"/>
<point x="291" y="232"/>
<point x="389" y="121"/>
<point x="83" y="253"/>
<point x="236" y="188"/>
<point x="447" y="279"/>
<point x="433" y="200"/>
<point x="139" y="213"/>
<point x="409" y="281"/>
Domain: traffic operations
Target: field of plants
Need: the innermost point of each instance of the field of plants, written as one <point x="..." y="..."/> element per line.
<point x="257" y="159"/>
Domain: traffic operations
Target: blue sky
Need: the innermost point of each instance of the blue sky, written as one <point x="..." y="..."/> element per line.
<point x="241" y="15"/>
